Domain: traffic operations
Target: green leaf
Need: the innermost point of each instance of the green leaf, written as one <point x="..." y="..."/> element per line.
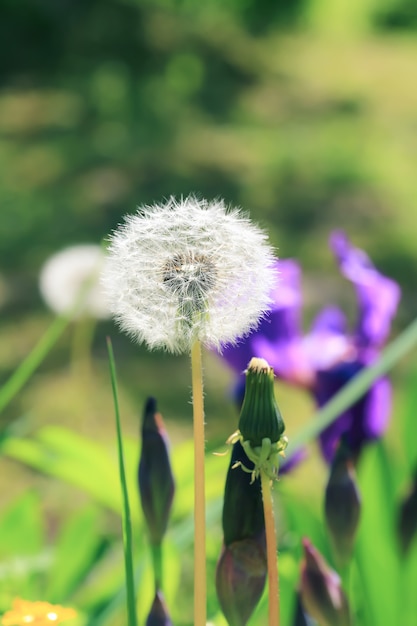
<point x="59" y="452"/>
<point x="376" y="555"/>
<point x="74" y="554"/>
<point x="20" y="376"/>
<point x="21" y="527"/>
<point x="408" y="581"/>
<point x="24" y="560"/>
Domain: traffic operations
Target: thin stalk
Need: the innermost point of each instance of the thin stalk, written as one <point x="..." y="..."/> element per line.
<point x="157" y="565"/>
<point x="271" y="551"/>
<point x="127" y="525"/>
<point x="200" y="609"/>
<point x="25" y="370"/>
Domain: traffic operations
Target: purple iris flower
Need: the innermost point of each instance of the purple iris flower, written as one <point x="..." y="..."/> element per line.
<point x="327" y="357"/>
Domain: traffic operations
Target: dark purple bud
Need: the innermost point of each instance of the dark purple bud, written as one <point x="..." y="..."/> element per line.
<point x="243" y="514"/>
<point x="241" y="570"/>
<point x="158" y="615"/>
<point x="321" y="591"/>
<point x="156" y="481"/>
<point x="407" y="517"/>
<point x="342" y="504"/>
<point x="240" y="579"/>
<point x="260" y="416"/>
<point x="301" y="618"/>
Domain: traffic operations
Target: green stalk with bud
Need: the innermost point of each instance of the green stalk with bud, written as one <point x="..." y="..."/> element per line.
<point x="261" y="433"/>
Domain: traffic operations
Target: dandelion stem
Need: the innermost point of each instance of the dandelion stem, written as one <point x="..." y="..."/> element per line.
<point x="199" y="488"/>
<point x="271" y="551"/>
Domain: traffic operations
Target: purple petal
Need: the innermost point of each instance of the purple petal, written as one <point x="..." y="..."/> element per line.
<point x="330" y="320"/>
<point x="364" y="421"/>
<point x="328" y="383"/>
<point x="278" y="337"/>
<point x="371" y="422"/>
<point x="327" y="343"/>
<point x="378" y="295"/>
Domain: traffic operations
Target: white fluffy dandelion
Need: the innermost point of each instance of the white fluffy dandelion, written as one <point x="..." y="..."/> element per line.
<point x="188" y="270"/>
<point x="71" y="277"/>
<point x="184" y="273"/>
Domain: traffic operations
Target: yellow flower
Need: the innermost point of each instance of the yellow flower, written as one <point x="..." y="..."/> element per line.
<point x="36" y="614"/>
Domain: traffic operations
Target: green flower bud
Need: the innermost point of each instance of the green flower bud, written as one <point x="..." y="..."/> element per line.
<point x="261" y="426"/>
<point x="260" y="417"/>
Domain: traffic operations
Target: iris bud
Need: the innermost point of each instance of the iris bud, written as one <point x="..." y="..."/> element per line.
<point x="342" y="505"/>
<point x="158" y="615"/>
<point x="156" y="481"/>
<point x="321" y="591"/>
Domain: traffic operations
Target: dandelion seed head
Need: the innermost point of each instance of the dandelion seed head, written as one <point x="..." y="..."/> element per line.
<point x="188" y="269"/>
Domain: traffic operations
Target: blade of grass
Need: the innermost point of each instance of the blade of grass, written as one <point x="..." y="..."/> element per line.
<point x="22" y="374"/>
<point x="127" y="526"/>
<point x="397" y="349"/>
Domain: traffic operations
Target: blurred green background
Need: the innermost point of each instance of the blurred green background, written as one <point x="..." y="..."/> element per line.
<point x="303" y="112"/>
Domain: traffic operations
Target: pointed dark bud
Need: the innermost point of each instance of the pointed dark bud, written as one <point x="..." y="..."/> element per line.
<point x="321" y="591"/>
<point x="260" y="416"/>
<point x="240" y="579"/>
<point x="301" y="618"/>
<point x="241" y="570"/>
<point x="156" y="481"/>
<point x="243" y="514"/>
<point x="342" y="505"/>
<point x="407" y="517"/>
<point x="158" y="615"/>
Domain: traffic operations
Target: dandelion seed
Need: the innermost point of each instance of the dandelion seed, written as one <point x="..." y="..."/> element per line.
<point x="188" y="270"/>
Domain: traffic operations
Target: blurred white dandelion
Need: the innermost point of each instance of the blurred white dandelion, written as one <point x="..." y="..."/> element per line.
<point x="188" y="270"/>
<point x="70" y="282"/>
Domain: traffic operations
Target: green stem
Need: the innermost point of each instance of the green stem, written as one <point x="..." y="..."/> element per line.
<point x="271" y="551"/>
<point x="356" y="388"/>
<point x="22" y="374"/>
<point x="199" y="489"/>
<point x="127" y="526"/>
<point x="156" y="549"/>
